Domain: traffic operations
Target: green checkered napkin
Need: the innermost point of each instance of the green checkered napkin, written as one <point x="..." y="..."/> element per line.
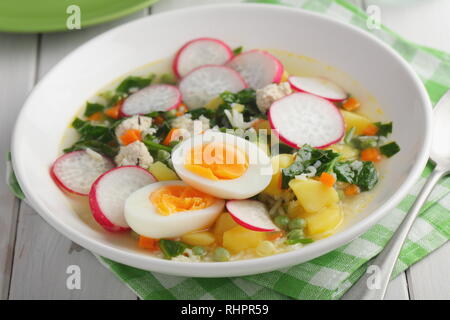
<point x="328" y="276"/>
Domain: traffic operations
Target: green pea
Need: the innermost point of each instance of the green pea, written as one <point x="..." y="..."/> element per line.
<point x="295" y="234"/>
<point x="296" y="223"/>
<point x="163" y="155"/>
<point x="281" y="221"/>
<point x="221" y="255"/>
<point x="199" y="251"/>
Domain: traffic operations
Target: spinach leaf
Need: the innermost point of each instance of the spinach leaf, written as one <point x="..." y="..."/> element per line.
<point x="95" y="145"/>
<point x="364" y="142"/>
<point x="367" y="177"/>
<point x="196" y="113"/>
<point x="220" y="119"/>
<point x="361" y="173"/>
<point x="12" y="180"/>
<point x="344" y="172"/>
<point x="247" y="98"/>
<point x="322" y="160"/>
<point x="132" y="82"/>
<point x="389" y="149"/>
<point x="238" y="50"/>
<point x="168" y="78"/>
<point x="384" y="129"/>
<point x="279" y="148"/>
<point x="92" y="132"/>
<point x="171" y="248"/>
<point x="92" y="108"/>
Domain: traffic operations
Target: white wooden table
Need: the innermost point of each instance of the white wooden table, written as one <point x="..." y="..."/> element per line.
<point x="34" y="257"/>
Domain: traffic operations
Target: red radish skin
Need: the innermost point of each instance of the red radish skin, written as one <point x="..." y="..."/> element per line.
<point x="99" y="214"/>
<point x="239" y="211"/>
<point x="145" y="100"/>
<point x="336" y="113"/>
<point x="320" y="87"/>
<point x="226" y="51"/>
<point x="241" y="62"/>
<point x="202" y="84"/>
<point x="59" y="180"/>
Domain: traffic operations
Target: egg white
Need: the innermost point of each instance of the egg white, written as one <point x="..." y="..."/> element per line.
<point x="142" y="217"/>
<point x="253" y="181"/>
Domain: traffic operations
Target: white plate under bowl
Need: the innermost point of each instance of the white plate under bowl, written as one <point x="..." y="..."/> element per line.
<point x="56" y="99"/>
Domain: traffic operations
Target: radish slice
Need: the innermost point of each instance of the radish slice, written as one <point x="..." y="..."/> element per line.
<point x="109" y="192"/>
<point x="200" y="52"/>
<point x="251" y="214"/>
<point x="321" y="87"/>
<point x="76" y="171"/>
<point x="258" y="68"/>
<point x="157" y="97"/>
<point x="303" y="118"/>
<point x="207" y="82"/>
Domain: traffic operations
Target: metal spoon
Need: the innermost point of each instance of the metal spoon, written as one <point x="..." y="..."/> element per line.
<point x="372" y="285"/>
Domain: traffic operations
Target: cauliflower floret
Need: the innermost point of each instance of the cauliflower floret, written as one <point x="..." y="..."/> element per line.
<point x="134" y="154"/>
<point x="270" y="93"/>
<point x="137" y="122"/>
<point x="192" y="126"/>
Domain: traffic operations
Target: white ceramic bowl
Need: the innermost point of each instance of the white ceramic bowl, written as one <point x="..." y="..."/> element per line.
<point x="55" y="100"/>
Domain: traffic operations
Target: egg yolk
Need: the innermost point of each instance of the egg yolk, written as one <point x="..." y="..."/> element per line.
<point x="171" y="199"/>
<point x="217" y="161"/>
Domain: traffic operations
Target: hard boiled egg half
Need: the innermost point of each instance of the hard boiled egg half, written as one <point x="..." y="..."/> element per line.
<point x="169" y="209"/>
<point x="223" y="165"/>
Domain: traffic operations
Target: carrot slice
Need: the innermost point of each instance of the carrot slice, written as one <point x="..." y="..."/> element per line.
<point x="95" y="116"/>
<point x="130" y="136"/>
<point x="170" y="136"/>
<point x="370" y="130"/>
<point x="114" y="111"/>
<point x="148" y="243"/>
<point x="181" y="110"/>
<point x="351" y="190"/>
<point x="271" y="236"/>
<point x="327" y="179"/>
<point x="371" y="154"/>
<point x="351" y="104"/>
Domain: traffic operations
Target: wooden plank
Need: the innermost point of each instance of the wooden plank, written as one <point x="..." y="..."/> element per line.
<point x="398" y="289"/>
<point x="42" y="255"/>
<point x="429" y="278"/>
<point x="17" y="65"/>
<point x="44" y="260"/>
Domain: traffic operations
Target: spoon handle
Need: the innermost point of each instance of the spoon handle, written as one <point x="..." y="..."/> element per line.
<point x="372" y="285"/>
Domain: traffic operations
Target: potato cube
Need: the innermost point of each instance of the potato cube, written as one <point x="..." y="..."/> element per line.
<point x="279" y="162"/>
<point x="239" y="238"/>
<point x="202" y="238"/>
<point x="347" y="152"/>
<point x="223" y="223"/>
<point x="324" y="221"/>
<point x="352" y="119"/>
<point x="313" y="195"/>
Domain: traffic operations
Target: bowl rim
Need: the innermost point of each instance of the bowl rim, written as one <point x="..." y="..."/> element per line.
<point x="239" y="267"/>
